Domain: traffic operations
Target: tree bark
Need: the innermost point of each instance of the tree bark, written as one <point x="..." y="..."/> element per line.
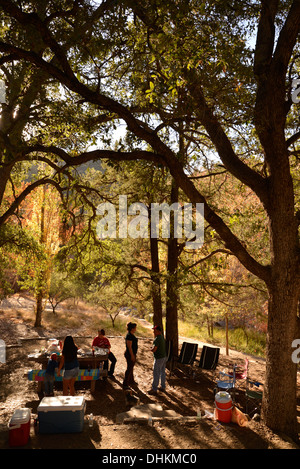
<point x="39" y="309"/>
<point x="172" y="281"/>
<point x="279" y="402"/>
<point x="156" y="286"/>
<point x="172" y="300"/>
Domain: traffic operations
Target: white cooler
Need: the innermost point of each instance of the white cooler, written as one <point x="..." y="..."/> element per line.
<point x="61" y="414"/>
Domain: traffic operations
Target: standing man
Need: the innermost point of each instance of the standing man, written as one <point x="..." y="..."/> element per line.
<point x="160" y="360"/>
<point x="102" y="342"/>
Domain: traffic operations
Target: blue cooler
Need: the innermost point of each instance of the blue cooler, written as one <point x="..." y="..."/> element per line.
<point x="61" y="414"/>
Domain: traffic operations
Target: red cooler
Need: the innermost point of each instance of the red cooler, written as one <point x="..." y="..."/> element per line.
<point x="19" y="427"/>
<point x="223" y="403"/>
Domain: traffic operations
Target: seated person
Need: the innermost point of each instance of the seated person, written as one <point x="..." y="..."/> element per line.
<point x="102" y="342"/>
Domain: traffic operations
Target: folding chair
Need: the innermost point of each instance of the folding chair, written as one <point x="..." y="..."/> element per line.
<point x="254" y="395"/>
<point x="187" y="354"/>
<point x="226" y="382"/>
<point x="241" y="374"/>
<point x="209" y="358"/>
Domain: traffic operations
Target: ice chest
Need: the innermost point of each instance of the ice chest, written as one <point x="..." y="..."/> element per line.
<point x="223" y="403"/>
<point x="61" y="414"/>
<point x="19" y="427"/>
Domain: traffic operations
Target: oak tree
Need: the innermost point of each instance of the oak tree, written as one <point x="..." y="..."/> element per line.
<point x="231" y="94"/>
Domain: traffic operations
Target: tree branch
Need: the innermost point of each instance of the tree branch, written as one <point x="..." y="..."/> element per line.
<point x="222" y="143"/>
<point x="94" y="155"/>
<point x="18" y="200"/>
<point x="165" y="154"/>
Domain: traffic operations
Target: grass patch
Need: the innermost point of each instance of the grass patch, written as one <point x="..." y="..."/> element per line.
<point x="88" y="320"/>
<point x="250" y="342"/>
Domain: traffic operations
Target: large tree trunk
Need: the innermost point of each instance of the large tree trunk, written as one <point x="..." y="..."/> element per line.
<point x="279" y="403"/>
<point x="172" y="286"/>
<point x="172" y="300"/>
<point x="39" y="309"/>
<point x="155" y="286"/>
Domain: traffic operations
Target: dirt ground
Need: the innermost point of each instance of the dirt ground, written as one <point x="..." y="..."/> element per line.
<point x="184" y="395"/>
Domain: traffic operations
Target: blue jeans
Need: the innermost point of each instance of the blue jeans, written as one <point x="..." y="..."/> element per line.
<point x="159" y="373"/>
<point x="48" y="383"/>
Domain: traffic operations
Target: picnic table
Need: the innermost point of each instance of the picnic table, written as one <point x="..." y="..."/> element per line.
<point x="90" y="365"/>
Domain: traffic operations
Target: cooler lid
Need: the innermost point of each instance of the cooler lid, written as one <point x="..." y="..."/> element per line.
<point x="61" y="403"/>
<point x="20" y="416"/>
<point x="223" y="397"/>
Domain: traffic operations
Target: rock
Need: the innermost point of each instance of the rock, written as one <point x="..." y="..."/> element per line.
<point x="144" y="411"/>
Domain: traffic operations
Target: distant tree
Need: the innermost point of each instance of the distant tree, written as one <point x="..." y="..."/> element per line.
<point x="62" y="288"/>
<point x="42" y="219"/>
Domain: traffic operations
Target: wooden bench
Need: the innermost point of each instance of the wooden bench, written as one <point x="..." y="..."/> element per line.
<point x="84" y="375"/>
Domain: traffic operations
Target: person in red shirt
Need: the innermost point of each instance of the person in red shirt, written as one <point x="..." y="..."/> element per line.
<point x="102" y="342"/>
